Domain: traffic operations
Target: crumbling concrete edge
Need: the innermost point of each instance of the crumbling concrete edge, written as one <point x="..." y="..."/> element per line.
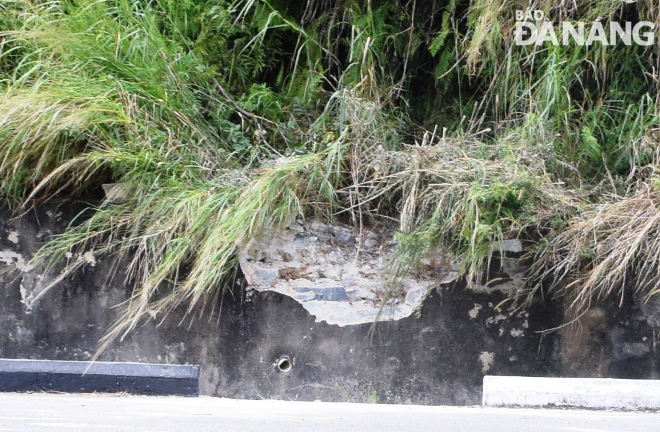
<point x="582" y="393"/>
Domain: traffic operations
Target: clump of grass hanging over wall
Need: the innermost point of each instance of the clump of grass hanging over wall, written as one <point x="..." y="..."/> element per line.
<point x="607" y="251"/>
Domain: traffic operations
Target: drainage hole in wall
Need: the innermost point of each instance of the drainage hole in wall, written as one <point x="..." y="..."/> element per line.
<point x="284" y="364"/>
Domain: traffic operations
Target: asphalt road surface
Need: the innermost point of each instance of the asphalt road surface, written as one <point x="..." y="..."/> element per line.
<point x="107" y="413"/>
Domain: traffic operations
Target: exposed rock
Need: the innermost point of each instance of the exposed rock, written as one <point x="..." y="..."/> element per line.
<point x="329" y="293"/>
<point x="370" y="243"/>
<point x="416" y="295"/>
<point x="318" y="265"/>
<point x="260" y="276"/>
<point x="507" y="276"/>
<point x="320" y="255"/>
<point x="512" y="245"/>
<point x="342" y="235"/>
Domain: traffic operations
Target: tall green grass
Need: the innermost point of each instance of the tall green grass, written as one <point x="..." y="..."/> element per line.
<point x="220" y="119"/>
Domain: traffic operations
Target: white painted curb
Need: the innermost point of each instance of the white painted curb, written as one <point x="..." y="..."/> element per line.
<point x="594" y="393"/>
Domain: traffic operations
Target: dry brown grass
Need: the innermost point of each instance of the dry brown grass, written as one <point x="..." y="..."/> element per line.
<point x="606" y="250"/>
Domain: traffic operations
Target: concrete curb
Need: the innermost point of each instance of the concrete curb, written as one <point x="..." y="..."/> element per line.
<point x="106" y="377"/>
<point x="589" y="393"/>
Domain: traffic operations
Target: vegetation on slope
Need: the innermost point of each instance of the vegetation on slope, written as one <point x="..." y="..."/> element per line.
<point x="221" y="118"/>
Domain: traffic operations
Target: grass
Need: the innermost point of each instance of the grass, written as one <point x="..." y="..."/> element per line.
<point x="466" y="196"/>
<point x="607" y="251"/>
<point x="225" y="118"/>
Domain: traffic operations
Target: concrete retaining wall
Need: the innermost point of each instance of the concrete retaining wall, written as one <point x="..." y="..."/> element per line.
<point x="437" y="355"/>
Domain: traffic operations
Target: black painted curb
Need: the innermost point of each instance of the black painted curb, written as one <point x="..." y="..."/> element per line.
<point x="104" y="377"/>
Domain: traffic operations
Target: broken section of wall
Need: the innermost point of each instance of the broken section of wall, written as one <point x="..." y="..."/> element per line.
<point x="339" y="274"/>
